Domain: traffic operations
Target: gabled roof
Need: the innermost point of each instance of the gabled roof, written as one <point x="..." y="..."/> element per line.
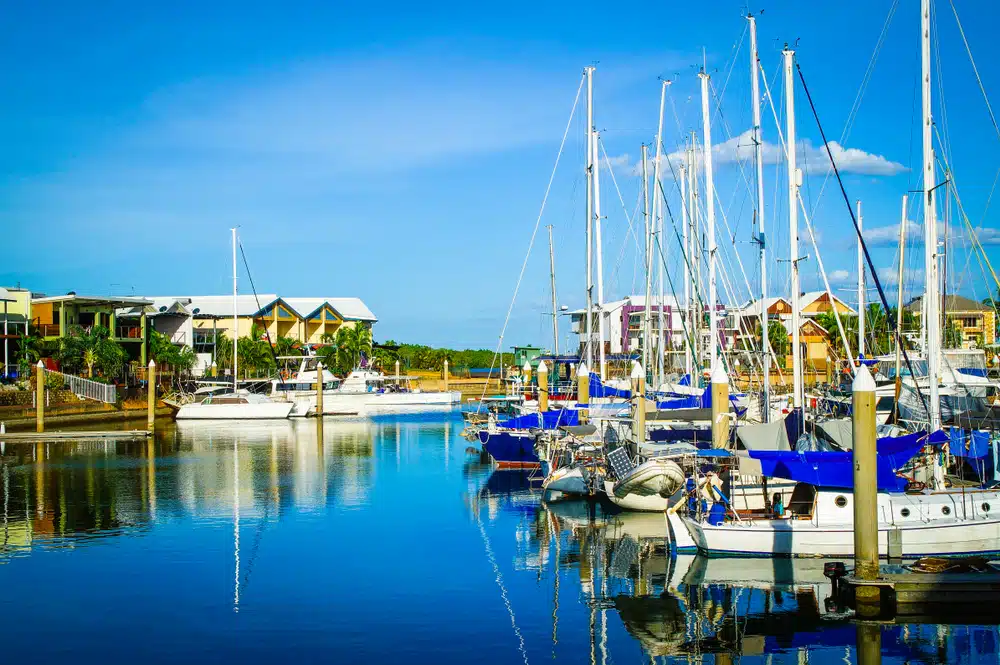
<point x="349" y="309"/>
<point x="631" y="301"/>
<point x="222" y="306"/>
<point x="159" y="307"/>
<point x="810" y="297"/>
<point x="753" y="308"/>
<point x="951" y="303"/>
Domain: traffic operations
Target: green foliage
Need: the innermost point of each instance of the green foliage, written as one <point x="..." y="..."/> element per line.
<point x="165" y="352"/>
<point x="223" y="352"/>
<point x="91" y="350"/>
<point x="287" y="346"/>
<point x="344" y="349"/>
<point x="32" y="349"/>
<point x="420" y="357"/>
<point x="952" y="338"/>
<point x="255" y="354"/>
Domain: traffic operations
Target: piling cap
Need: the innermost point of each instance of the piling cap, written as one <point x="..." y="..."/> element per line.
<point x="527" y="366"/>
<point x="582" y="369"/>
<point x="543" y="368"/>
<point x="863" y="381"/>
<point x="152" y="363"/>
<point x="637" y="371"/>
<point x="719" y="375"/>
<point x="41" y="365"/>
<point x="319" y="365"/>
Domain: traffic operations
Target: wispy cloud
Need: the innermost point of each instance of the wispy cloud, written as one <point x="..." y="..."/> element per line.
<point x="839" y="276"/>
<point x="888" y="236"/>
<point x="811" y="159"/>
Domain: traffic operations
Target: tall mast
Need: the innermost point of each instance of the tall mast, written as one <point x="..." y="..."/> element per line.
<point x="694" y="217"/>
<point x="899" y="296"/>
<point x="687" y="271"/>
<point x="761" y="237"/>
<point x="794" y="177"/>
<point x="646" y="327"/>
<point x="595" y="136"/>
<point x="658" y="228"/>
<point x="552" y="281"/>
<point x="931" y="297"/>
<point x="713" y="326"/>
<point x="588" y="346"/>
<point x="236" y="321"/>
<point x="861" y="287"/>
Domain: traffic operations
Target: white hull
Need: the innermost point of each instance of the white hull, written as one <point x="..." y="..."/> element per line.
<point x="258" y="411"/>
<point x="934" y="524"/>
<point x="571" y="480"/>
<point x="358" y="404"/>
<point x="655" y="503"/>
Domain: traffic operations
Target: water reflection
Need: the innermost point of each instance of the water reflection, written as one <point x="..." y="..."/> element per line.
<point x="691" y="608"/>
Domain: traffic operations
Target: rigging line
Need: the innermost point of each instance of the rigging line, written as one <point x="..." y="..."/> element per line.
<point x="503" y="589"/>
<point x="631" y="231"/>
<point x="534" y="234"/>
<point x="861" y="240"/>
<point x="865" y="81"/>
<point x="975" y="69"/>
<point x="270" y="344"/>
<point x="732" y="67"/>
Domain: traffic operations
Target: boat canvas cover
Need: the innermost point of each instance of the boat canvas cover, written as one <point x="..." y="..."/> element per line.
<point x="681" y="414"/>
<point x="599" y="389"/>
<point x="768" y="436"/>
<point x="547" y="420"/>
<point x="836" y="469"/>
<point x="839" y="431"/>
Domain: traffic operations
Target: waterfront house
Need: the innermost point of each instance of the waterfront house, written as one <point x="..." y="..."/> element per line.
<point x="975" y="322"/>
<point x="325" y="316"/>
<point x="54" y="316"/>
<point x="16" y="303"/>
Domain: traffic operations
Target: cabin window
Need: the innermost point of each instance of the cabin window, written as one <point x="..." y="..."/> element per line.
<point x="905" y="512"/>
<point x="986" y="507"/>
<point x="946" y="510"/>
<point x="841" y="501"/>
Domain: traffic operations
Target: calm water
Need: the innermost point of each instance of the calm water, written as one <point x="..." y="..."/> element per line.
<point x="384" y="542"/>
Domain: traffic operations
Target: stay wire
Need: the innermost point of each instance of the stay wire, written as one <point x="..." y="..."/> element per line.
<point x="861" y="240"/>
<point x="270" y="344"/>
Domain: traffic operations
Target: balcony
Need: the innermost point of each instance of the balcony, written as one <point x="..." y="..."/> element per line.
<point x="128" y="333"/>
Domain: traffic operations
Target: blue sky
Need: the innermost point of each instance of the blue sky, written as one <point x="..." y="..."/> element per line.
<point x="399" y="153"/>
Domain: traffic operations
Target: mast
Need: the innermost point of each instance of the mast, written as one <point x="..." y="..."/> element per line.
<point x="861" y="287"/>
<point x="601" y="332"/>
<point x="899" y="297"/>
<point x="236" y="321"/>
<point x="588" y="346"/>
<point x="713" y="325"/>
<point x="646" y="327"/>
<point x="552" y="281"/>
<point x="761" y="237"/>
<point x="658" y="228"/>
<point x="694" y="216"/>
<point x="931" y="298"/>
<point x="794" y="177"/>
<point x="687" y="271"/>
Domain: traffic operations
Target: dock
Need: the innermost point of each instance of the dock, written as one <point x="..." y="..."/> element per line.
<point x="114" y="435"/>
<point x="927" y="596"/>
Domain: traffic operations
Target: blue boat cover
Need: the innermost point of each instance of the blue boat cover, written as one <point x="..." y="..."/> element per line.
<point x="549" y="420"/>
<point x="836" y="469"/>
<point x="972" y="371"/>
<point x="598" y="389"/>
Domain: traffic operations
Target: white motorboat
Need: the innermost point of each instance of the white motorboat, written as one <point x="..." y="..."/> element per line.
<point x="362" y="392"/>
<point x="238" y="404"/>
<point x="820" y="523"/>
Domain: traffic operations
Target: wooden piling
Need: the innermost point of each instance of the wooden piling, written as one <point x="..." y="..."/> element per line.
<point x="638" y="377"/>
<point x="151" y="395"/>
<point x="446" y="375"/>
<point x="583" y="391"/>
<point x="866" y="563"/>
<point x="869" y="643"/>
<point x="543" y="387"/>
<point x="40" y="398"/>
<point x="319" y="389"/>
<point x="720" y="407"/>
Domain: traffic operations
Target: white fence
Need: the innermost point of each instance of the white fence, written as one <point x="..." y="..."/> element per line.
<point x="87" y="389"/>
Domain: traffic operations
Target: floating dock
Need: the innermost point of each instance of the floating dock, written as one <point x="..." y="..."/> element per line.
<point x="916" y="595"/>
<point x="114" y="435"/>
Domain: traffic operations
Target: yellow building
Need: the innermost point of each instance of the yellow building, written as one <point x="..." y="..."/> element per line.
<point x="976" y="322"/>
<point x="15" y="307"/>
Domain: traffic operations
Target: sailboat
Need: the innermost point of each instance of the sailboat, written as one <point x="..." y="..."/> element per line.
<point x="238" y="404"/>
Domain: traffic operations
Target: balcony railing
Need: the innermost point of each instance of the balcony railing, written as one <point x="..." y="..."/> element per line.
<point x="128" y="332"/>
<point x="48" y="329"/>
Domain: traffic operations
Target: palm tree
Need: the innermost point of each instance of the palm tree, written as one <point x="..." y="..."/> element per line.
<point x="286" y="346"/>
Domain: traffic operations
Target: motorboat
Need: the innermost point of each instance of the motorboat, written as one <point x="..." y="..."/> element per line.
<point x="239" y="405"/>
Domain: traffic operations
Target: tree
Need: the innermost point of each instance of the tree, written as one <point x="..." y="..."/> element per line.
<point x="952" y="336"/>
<point x="91" y="349"/>
<point x="32" y="348"/>
<point x="254" y="353"/>
<point x="179" y="356"/>
<point x="285" y="347"/>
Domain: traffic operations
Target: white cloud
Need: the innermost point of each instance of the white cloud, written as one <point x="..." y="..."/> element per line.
<point x="839" y="276"/>
<point x="811" y="159"/>
<point x="888" y="236"/>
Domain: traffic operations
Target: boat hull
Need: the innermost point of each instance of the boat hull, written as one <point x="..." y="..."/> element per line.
<point x="261" y="411"/>
<point x="654" y="477"/>
<point x="356" y="404"/>
<point x="510" y="450"/>
<point x="572" y="480"/>
<point x="655" y="503"/>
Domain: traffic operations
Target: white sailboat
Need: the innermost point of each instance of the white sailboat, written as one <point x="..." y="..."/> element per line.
<point x="238" y="404"/>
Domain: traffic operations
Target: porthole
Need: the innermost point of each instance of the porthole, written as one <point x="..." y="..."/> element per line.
<point x="905" y="512"/>
<point x="946" y="510"/>
<point x="841" y="501"/>
<point x="986" y="507"/>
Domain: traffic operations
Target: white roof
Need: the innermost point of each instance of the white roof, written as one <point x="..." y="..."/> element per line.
<point x="110" y="300"/>
<point x="753" y="308"/>
<point x="351" y="309"/>
<point x="5" y="295"/>
<point x="634" y="301"/>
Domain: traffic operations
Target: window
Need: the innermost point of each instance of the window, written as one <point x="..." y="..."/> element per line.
<point x="841" y="501"/>
<point x="986" y="507"/>
<point x="905" y="512"/>
<point x="945" y="510"/>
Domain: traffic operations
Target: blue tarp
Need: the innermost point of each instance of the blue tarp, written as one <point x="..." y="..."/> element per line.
<point x="549" y="420"/>
<point x="972" y="371"/>
<point x="824" y="469"/>
<point x="978" y="443"/>
<point x="598" y="389"/>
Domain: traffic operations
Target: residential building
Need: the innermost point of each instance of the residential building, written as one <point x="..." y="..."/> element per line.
<point x="54" y="316"/>
<point x="976" y="322"/>
<point x="16" y="303"/>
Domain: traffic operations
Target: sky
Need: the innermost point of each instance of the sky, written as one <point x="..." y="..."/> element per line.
<point x="400" y="153"/>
